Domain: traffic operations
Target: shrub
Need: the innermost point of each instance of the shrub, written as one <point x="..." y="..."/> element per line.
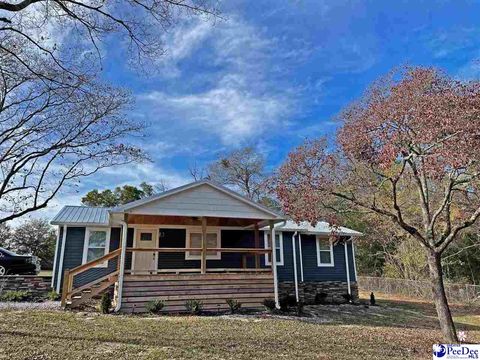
<point x="14" y="295"/>
<point x="372" y="299"/>
<point x="155" y="306"/>
<point x="53" y="295"/>
<point x="348" y="298"/>
<point x="234" y="305"/>
<point x="194" y="306"/>
<point x="321" y="298"/>
<point x="105" y="303"/>
<point x="269" y="304"/>
<point x="283" y="302"/>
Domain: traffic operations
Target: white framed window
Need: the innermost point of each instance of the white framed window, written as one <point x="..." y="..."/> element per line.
<point x="194" y="240"/>
<point x="324" y="252"/>
<point x="278" y="247"/>
<point x="96" y="244"/>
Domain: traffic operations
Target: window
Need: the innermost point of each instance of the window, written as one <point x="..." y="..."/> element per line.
<point x="194" y="240"/>
<point x="278" y="247"/>
<point x="324" y="252"/>
<point x="97" y="242"/>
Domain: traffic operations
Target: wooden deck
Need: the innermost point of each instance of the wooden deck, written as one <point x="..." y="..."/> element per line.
<point x="211" y="289"/>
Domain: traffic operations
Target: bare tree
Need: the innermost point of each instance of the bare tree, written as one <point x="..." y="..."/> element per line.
<point x="197" y="172"/>
<point x="58" y="123"/>
<point x="243" y="169"/>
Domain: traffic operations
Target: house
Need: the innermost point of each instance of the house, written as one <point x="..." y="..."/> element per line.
<point x="198" y="241"/>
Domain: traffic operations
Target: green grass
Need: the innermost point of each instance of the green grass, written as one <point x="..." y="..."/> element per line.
<point x="393" y="330"/>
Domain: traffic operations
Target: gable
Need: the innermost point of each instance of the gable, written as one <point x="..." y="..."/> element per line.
<point x="202" y="200"/>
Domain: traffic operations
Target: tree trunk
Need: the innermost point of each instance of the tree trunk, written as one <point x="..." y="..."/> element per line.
<point x="443" y="311"/>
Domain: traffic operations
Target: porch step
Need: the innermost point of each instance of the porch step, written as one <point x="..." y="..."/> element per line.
<point x="91" y="291"/>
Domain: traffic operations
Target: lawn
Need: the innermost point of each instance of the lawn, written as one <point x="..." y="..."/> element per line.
<point x="395" y="329"/>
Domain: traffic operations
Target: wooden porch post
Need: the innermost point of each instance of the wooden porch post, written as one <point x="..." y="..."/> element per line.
<point x="274" y="262"/>
<point x="204" y="245"/>
<point x="257" y="246"/>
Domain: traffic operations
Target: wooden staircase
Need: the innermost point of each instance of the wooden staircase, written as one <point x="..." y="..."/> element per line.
<point x="73" y="297"/>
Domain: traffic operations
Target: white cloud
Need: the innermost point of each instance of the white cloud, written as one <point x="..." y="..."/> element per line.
<point x="241" y="99"/>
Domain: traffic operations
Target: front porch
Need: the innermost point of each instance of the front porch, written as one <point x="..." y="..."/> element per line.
<point x="176" y="259"/>
<point x="200" y="241"/>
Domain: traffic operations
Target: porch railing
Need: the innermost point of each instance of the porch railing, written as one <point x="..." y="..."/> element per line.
<point x="204" y="251"/>
<point x="68" y="278"/>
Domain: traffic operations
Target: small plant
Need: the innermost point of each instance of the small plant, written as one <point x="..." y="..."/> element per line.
<point x="321" y="298"/>
<point x="105" y="303"/>
<point x="52" y="295"/>
<point x="194" y="306"/>
<point x="284" y="302"/>
<point x="372" y="299"/>
<point x="269" y="304"/>
<point x="16" y="295"/>
<point x="234" y="305"/>
<point x="348" y="298"/>
<point x="155" y="306"/>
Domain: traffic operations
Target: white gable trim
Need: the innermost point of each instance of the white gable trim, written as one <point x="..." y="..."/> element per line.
<point x="141" y="202"/>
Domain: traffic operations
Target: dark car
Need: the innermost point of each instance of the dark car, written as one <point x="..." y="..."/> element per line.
<point x="13" y="264"/>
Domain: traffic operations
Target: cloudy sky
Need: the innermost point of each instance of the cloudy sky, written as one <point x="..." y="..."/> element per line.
<point x="272" y="73"/>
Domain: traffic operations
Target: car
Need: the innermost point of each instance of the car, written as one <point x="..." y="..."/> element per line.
<point x="14" y="264"/>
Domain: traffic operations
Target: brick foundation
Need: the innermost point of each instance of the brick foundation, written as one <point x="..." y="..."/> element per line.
<point x="38" y="286"/>
<point x="309" y="289"/>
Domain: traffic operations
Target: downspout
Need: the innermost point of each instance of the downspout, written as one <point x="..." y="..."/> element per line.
<point x="295" y="266"/>
<point x="347" y="268"/>
<point x="354" y="262"/>
<point x="301" y="256"/>
<point x="57" y="245"/>
<point x="122" y="265"/>
<point x="62" y="255"/>
<point x="274" y="264"/>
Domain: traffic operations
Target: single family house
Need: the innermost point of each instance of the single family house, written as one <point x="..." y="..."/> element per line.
<point x="200" y="241"/>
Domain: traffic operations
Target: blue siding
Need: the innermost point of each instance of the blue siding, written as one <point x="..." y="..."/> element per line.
<point x="230" y="238"/>
<point x="74" y="252"/>
<point x="312" y="272"/>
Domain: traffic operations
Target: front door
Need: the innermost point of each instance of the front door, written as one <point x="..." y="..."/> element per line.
<point x="145" y="261"/>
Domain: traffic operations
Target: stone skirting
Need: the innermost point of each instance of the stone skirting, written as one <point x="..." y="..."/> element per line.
<point x="38" y="286"/>
<point x="307" y="290"/>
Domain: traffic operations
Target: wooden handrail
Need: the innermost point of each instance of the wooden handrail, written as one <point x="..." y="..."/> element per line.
<point x="67" y="288"/>
<point x="92" y="263"/>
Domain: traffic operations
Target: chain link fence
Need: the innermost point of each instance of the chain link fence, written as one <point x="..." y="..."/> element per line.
<point x="457" y="293"/>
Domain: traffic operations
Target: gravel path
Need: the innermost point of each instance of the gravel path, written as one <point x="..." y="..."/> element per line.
<point x="46" y="305"/>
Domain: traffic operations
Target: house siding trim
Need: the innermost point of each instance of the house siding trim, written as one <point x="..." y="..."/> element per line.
<point x="62" y="257"/>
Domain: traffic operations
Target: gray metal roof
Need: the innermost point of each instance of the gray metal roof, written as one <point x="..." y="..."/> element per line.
<point x="82" y="215"/>
<point x="321" y="228"/>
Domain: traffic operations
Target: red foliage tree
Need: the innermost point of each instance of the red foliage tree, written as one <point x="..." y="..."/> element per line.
<point x="415" y="131"/>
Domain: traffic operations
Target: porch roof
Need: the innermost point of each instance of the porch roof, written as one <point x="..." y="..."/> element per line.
<point x="197" y="199"/>
<point x="201" y="198"/>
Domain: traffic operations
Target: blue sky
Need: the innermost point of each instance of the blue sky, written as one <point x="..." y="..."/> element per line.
<point x="273" y="73"/>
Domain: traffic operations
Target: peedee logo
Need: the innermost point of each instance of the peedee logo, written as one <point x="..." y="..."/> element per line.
<point x="444" y="352"/>
<point x="439" y="351"/>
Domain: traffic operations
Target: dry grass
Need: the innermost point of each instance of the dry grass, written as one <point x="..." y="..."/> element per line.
<point x="395" y="329"/>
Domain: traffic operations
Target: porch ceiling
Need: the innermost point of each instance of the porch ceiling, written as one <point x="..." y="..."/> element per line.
<point x="188" y="220"/>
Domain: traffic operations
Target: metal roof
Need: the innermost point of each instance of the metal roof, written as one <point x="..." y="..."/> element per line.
<point x="321" y="228"/>
<point x="82" y="215"/>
